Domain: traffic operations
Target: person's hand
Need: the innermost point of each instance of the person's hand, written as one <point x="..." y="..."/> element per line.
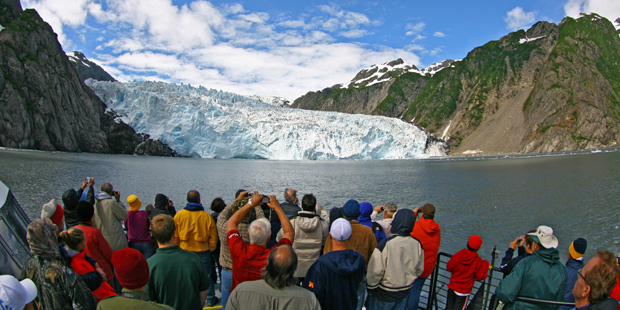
<point x="91" y="182"/>
<point x="170" y="203"/>
<point x="379" y="209"/>
<point x="256" y="199"/>
<point x="320" y="207"/>
<point x="273" y="202"/>
<point x="117" y="195"/>
<point x="417" y="211"/>
<point x="517" y="242"/>
<point x="100" y="271"/>
<point x="84" y="184"/>
<point x="242" y="195"/>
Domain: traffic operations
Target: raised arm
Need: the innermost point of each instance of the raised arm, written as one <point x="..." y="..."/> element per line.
<point x="287" y="227"/>
<point x="238" y="216"/>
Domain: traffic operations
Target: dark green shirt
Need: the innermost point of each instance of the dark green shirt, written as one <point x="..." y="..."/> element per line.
<point x="139" y="301"/>
<point x="176" y="278"/>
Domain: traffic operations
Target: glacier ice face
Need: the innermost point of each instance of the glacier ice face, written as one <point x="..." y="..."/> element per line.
<point x="196" y="121"/>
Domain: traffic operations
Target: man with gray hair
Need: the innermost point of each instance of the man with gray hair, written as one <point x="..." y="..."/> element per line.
<point x="290" y="206"/>
<point x="386" y="223"/>
<point x="277" y="289"/>
<point x="250" y="259"/>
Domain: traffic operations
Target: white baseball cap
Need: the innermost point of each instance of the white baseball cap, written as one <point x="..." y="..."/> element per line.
<point x="341" y="230"/>
<point x="15" y="294"/>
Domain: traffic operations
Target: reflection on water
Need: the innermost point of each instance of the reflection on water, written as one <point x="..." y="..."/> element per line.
<point x="496" y="198"/>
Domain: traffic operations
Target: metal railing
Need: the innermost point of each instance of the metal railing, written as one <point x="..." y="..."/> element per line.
<point x="435" y="290"/>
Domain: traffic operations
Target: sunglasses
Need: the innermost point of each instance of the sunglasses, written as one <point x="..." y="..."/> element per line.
<point x="584" y="278"/>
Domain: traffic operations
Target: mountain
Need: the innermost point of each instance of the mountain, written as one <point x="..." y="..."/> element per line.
<point x="550" y="88"/>
<point x="45" y="105"/>
<point x="87" y="69"/>
<point x="208" y="123"/>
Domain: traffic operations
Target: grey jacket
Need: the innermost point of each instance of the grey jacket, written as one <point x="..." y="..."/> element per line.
<point x="396" y="261"/>
<point x="310" y="234"/>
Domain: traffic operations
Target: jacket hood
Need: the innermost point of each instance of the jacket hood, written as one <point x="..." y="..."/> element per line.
<point x="344" y="265"/>
<point x="403" y="222"/>
<point x="70" y="199"/>
<point x="365" y="211"/>
<point x="102" y="196"/>
<point x="307" y="221"/>
<point x="161" y="202"/>
<point x="428" y="226"/>
<point x="468" y="257"/>
<point x="549" y="256"/>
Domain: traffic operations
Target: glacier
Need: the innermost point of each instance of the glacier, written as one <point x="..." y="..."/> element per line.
<point x="207" y="123"/>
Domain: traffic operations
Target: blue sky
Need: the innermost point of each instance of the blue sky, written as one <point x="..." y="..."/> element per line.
<point x="286" y="48"/>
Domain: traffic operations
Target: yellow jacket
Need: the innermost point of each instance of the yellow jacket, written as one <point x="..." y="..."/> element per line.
<point x="195" y="231"/>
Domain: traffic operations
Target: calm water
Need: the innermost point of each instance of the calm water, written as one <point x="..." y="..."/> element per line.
<point x="498" y="199"/>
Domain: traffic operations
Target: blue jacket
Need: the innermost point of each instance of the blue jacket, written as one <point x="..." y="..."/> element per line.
<point x="572" y="266"/>
<point x="335" y="277"/>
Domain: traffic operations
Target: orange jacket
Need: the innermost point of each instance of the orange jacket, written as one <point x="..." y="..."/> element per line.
<point x="429" y="234"/>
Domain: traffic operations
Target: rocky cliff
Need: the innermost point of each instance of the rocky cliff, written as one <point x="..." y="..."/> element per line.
<point x="87" y="69"/>
<point x="45" y="105"/>
<point x="551" y="88"/>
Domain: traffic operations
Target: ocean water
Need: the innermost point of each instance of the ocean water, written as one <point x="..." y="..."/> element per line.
<point x="497" y="198"/>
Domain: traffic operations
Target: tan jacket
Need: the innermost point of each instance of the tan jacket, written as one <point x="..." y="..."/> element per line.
<point x="108" y="216"/>
<point x="310" y="234"/>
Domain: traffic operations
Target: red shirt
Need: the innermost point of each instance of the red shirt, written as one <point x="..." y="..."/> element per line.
<point x="249" y="260"/>
<point x="99" y="249"/>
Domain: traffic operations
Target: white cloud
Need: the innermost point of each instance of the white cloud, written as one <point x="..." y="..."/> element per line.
<point x="228" y="47"/>
<point x="517" y="19"/>
<point x="439" y="34"/>
<point x="415" y="29"/>
<point x="606" y="8"/>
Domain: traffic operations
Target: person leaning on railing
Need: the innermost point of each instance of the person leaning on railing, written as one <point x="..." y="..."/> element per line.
<point x="539" y="276"/>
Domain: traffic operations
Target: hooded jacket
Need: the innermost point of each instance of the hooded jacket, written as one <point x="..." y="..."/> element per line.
<point x="429" y="234"/>
<point x="162" y="206"/>
<point x="539" y="276"/>
<point x="70" y="199"/>
<point x="396" y="261"/>
<point x="335" y="277"/>
<point x="310" y="235"/>
<point x="572" y="267"/>
<point x="466" y="268"/>
<point x="365" y="212"/>
<point x="108" y="216"/>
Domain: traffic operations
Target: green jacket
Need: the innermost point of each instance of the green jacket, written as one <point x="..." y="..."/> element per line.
<point x="539" y="276"/>
<point x="137" y="300"/>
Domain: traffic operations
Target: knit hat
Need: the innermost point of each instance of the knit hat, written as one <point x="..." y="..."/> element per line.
<point x="474" y="242"/>
<point x="134" y="203"/>
<point x="577" y="248"/>
<point x="16" y="294"/>
<point x="53" y="211"/>
<point x="85" y="211"/>
<point x="351" y="209"/>
<point x="544" y="236"/>
<point x="131" y="268"/>
<point x="341" y="230"/>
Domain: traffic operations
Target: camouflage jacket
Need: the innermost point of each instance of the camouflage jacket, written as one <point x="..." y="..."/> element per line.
<point x="58" y="286"/>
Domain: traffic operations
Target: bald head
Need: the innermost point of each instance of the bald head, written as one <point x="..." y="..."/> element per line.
<point x="193" y="196"/>
<point x="107" y="187"/>
<point x="281" y="266"/>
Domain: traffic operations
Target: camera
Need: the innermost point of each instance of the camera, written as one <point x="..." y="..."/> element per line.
<point x="265" y="200"/>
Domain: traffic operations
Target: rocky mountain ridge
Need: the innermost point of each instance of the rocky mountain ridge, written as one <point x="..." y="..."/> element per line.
<point x="45" y="104"/>
<point x="550" y="88"/>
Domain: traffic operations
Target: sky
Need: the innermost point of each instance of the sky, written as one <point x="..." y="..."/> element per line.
<point x="286" y="48"/>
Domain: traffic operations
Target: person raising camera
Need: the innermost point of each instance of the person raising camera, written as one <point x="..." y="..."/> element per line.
<point x="249" y="260"/>
<point x="109" y="212"/>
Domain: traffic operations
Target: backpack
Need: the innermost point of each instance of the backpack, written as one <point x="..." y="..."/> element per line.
<point x="378" y="230"/>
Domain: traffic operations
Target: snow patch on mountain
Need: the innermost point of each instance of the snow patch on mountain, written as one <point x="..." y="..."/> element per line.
<point x="376" y="74"/>
<point x="207" y="123"/>
<point x="526" y="39"/>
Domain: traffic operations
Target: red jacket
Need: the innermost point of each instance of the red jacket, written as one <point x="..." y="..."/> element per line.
<point x="466" y="267"/>
<point x="82" y="266"/>
<point x="429" y="234"/>
<point x="615" y="292"/>
<point x="99" y="249"/>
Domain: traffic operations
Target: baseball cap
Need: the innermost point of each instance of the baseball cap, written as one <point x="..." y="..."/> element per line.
<point x="16" y="294"/>
<point x="341" y="230"/>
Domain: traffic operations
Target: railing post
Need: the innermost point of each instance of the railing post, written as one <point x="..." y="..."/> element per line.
<point x="490" y="277"/>
<point x="431" y="291"/>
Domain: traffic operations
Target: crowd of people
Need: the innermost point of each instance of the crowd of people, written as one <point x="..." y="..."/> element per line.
<point x="93" y="252"/>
